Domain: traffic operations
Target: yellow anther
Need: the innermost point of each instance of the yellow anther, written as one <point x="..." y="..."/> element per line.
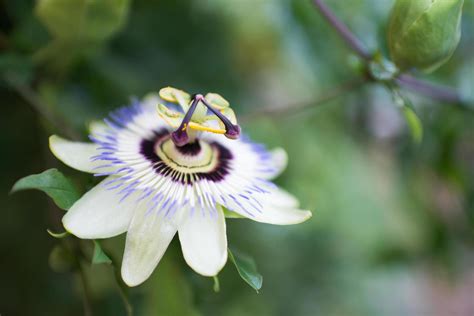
<point x="200" y="127"/>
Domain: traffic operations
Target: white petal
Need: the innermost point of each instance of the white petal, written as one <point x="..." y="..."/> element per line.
<point x="98" y="128"/>
<point x="281" y="208"/>
<point x="148" y="237"/>
<point x="252" y="159"/>
<point x="99" y="214"/>
<point x="282" y="198"/>
<point x="151" y="100"/>
<point x="278" y="207"/>
<point x="204" y="241"/>
<point x="281" y="216"/>
<point x="279" y="160"/>
<point x="76" y="155"/>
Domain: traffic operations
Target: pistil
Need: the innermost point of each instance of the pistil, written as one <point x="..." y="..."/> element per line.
<point x="181" y="135"/>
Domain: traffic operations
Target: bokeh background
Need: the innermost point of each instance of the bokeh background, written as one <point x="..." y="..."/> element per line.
<point x="392" y="226"/>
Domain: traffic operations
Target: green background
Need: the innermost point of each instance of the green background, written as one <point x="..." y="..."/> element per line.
<point x="392" y="225"/>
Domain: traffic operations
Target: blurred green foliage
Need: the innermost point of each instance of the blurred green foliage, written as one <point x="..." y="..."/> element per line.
<point x="391" y="232"/>
<point x="77" y="27"/>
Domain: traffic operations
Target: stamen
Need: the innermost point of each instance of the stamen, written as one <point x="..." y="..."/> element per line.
<point x="180" y="137"/>
<point x="232" y="131"/>
<point x="203" y="128"/>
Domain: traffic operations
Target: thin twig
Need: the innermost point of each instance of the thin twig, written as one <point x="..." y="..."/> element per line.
<point x="86" y="291"/>
<point x="74" y="247"/>
<point x="122" y="287"/>
<point x="123" y="291"/>
<point x="278" y="111"/>
<point x="343" y="30"/>
<point x="37" y="104"/>
<point x="435" y="91"/>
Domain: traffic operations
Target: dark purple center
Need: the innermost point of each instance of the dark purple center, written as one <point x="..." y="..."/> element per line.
<point x="218" y="173"/>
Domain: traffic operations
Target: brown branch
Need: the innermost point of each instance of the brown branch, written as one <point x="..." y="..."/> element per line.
<point x="432" y="90"/>
<point x="349" y="37"/>
<point x="279" y="111"/>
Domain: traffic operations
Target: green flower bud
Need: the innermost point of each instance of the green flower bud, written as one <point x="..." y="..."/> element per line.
<point x="424" y="33"/>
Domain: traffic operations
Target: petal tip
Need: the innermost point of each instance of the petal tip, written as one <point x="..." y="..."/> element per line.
<point x="208" y="271"/>
<point x="307" y="215"/>
<point x="132" y="276"/>
<point x="129" y="279"/>
<point x="53" y="141"/>
<point x="76" y="155"/>
<point x="204" y="244"/>
<point x="299" y="216"/>
<point x="68" y="224"/>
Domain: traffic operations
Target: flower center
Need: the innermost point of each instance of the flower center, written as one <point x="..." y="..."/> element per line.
<point x="189" y="163"/>
<point x="195" y="157"/>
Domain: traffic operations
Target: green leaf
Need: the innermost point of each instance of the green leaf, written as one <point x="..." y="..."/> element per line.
<point x="99" y="255"/>
<point x="414" y="123"/>
<point x="423" y="34"/>
<point x="247" y="269"/>
<point x="412" y="119"/>
<point x="54" y="184"/>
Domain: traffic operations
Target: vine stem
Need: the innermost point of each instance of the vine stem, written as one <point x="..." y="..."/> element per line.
<point x="343" y="30"/>
<point x="122" y="287"/>
<point x="297" y="107"/>
<point x="75" y="250"/>
<point x="86" y="291"/>
<point x="435" y="91"/>
<point x="123" y="291"/>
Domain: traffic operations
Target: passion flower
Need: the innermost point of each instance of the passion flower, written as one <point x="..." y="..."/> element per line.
<point x="174" y="171"/>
